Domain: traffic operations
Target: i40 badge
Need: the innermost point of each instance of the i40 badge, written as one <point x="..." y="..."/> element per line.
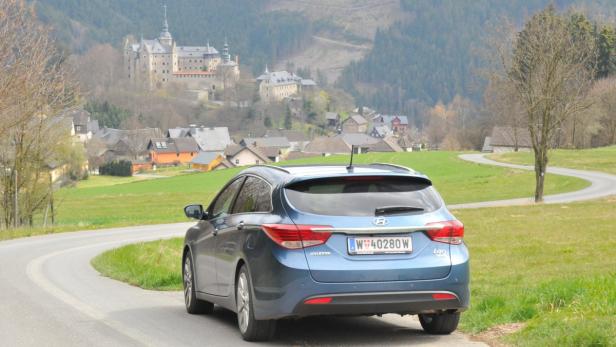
<point x="380" y="221"/>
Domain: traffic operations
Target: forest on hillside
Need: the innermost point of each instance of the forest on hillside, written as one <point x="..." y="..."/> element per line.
<point x="435" y="54"/>
<point x="257" y="37"/>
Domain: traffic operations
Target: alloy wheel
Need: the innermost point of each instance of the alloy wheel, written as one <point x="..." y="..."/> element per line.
<point x="187" y="281"/>
<point x="243" y="302"/>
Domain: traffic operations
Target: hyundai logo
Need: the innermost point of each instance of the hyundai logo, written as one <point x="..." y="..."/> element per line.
<point x="380" y="221"/>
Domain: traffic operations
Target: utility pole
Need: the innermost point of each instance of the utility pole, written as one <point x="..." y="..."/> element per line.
<point x="16" y="209"/>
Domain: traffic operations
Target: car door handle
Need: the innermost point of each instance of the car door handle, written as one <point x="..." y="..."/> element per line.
<point x="240" y="225"/>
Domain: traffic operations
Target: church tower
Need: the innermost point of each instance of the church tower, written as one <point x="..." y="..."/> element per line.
<point x="165" y="36"/>
<point x="226" y="57"/>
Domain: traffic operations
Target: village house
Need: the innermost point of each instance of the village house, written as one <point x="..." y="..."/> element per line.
<point x="118" y="144"/>
<point x="388" y="144"/>
<point x="209" y="139"/>
<point x="83" y="126"/>
<point x="166" y="151"/>
<point x="355" y="124"/>
<point x="397" y="124"/>
<point x="297" y="139"/>
<point x="507" y="139"/>
<point x="239" y="155"/>
<point x="381" y="131"/>
<point x="332" y="119"/>
<point x="361" y="142"/>
<point x="325" y="146"/>
<point x="208" y="161"/>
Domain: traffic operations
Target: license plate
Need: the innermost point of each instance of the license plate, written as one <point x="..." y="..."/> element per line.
<point x="379" y="245"/>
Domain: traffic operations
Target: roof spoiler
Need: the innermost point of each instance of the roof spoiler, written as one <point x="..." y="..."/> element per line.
<point x="358" y="177"/>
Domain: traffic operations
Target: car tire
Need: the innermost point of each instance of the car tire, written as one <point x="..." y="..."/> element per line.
<point x="193" y="305"/>
<point x="250" y="328"/>
<point x="439" y="324"/>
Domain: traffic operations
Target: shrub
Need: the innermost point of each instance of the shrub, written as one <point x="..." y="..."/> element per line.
<point x="123" y="168"/>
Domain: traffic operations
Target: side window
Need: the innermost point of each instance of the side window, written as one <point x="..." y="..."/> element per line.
<point x="222" y="205"/>
<point x="255" y="196"/>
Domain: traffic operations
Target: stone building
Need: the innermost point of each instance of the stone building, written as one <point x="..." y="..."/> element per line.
<point x="158" y="62"/>
<point x="278" y="85"/>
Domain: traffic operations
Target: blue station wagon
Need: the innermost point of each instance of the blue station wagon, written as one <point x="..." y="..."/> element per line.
<point x="297" y="241"/>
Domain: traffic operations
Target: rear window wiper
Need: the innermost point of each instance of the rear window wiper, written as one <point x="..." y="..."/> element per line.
<point x="396" y="209"/>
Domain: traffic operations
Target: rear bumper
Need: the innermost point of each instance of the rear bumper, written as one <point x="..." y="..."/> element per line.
<point x="358" y="298"/>
<point x="377" y="303"/>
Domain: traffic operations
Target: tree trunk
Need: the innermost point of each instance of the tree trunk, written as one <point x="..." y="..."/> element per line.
<point x="541" y="162"/>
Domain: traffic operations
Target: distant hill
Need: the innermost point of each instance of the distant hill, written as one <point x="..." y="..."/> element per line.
<point x="431" y="55"/>
<point x="390" y="54"/>
<point x="257" y="36"/>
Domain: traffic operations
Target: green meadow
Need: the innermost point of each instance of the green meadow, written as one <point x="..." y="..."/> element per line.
<point x="596" y="159"/>
<point x="161" y="200"/>
<point x="551" y="267"/>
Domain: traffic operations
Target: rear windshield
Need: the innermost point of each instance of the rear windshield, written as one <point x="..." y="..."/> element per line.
<point x="363" y="196"/>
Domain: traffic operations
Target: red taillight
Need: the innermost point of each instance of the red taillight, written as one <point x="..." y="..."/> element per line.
<point x="443" y="296"/>
<point x="318" y="301"/>
<point x="450" y="232"/>
<point x="293" y="236"/>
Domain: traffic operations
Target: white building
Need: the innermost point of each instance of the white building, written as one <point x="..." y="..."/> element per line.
<point x="277" y="85"/>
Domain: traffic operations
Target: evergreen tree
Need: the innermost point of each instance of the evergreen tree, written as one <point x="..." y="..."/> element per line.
<point x="606" y="63"/>
<point x="288" y="121"/>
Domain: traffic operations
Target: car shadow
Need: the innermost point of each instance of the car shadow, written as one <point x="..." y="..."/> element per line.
<point x="172" y="323"/>
<point x="340" y="331"/>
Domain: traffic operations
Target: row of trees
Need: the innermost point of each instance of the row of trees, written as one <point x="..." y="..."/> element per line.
<point x="33" y="88"/>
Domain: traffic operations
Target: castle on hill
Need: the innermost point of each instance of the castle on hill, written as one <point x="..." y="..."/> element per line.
<point x="159" y="62"/>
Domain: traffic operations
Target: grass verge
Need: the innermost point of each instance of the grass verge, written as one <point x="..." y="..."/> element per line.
<point x="106" y="203"/>
<point x="149" y="265"/>
<point x="595" y="159"/>
<point x="550" y="266"/>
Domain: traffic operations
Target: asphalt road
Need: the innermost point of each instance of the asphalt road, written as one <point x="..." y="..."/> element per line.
<point x="602" y="185"/>
<point x="51" y="296"/>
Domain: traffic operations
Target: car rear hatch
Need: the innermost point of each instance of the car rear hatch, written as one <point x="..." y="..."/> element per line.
<point x="379" y="225"/>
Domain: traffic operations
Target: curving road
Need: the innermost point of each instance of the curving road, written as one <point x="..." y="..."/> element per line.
<point x="50" y="295"/>
<point x="601" y="185"/>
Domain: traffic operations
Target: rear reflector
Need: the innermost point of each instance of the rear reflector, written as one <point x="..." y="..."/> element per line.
<point x="293" y="236"/>
<point x="443" y="296"/>
<point x="318" y="301"/>
<point x="450" y="232"/>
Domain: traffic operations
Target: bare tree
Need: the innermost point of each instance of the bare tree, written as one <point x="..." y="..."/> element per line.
<point x="34" y="86"/>
<point x="551" y="73"/>
<point x="501" y="102"/>
<point x="604" y="107"/>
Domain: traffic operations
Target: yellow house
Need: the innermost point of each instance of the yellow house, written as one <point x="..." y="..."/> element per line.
<point x="208" y="161"/>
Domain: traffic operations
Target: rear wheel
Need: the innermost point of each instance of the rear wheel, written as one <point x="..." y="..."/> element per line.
<point x="250" y="328"/>
<point x="193" y="305"/>
<point x="439" y="324"/>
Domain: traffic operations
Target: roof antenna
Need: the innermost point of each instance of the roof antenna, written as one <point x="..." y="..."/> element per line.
<point x="350" y="167"/>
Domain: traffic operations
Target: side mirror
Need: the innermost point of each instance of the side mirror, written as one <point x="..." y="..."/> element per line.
<point x="195" y="212"/>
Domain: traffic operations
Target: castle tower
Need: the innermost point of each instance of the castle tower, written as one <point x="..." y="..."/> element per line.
<point x="165" y="36"/>
<point x="226" y="57"/>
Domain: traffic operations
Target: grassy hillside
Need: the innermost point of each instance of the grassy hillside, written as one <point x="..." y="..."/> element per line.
<point x="596" y="159"/>
<point x="161" y="200"/>
<point x="544" y="265"/>
<point x="107" y="202"/>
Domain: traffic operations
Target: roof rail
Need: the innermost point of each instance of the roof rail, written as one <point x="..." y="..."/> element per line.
<point x="393" y="166"/>
<point x="275" y="168"/>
